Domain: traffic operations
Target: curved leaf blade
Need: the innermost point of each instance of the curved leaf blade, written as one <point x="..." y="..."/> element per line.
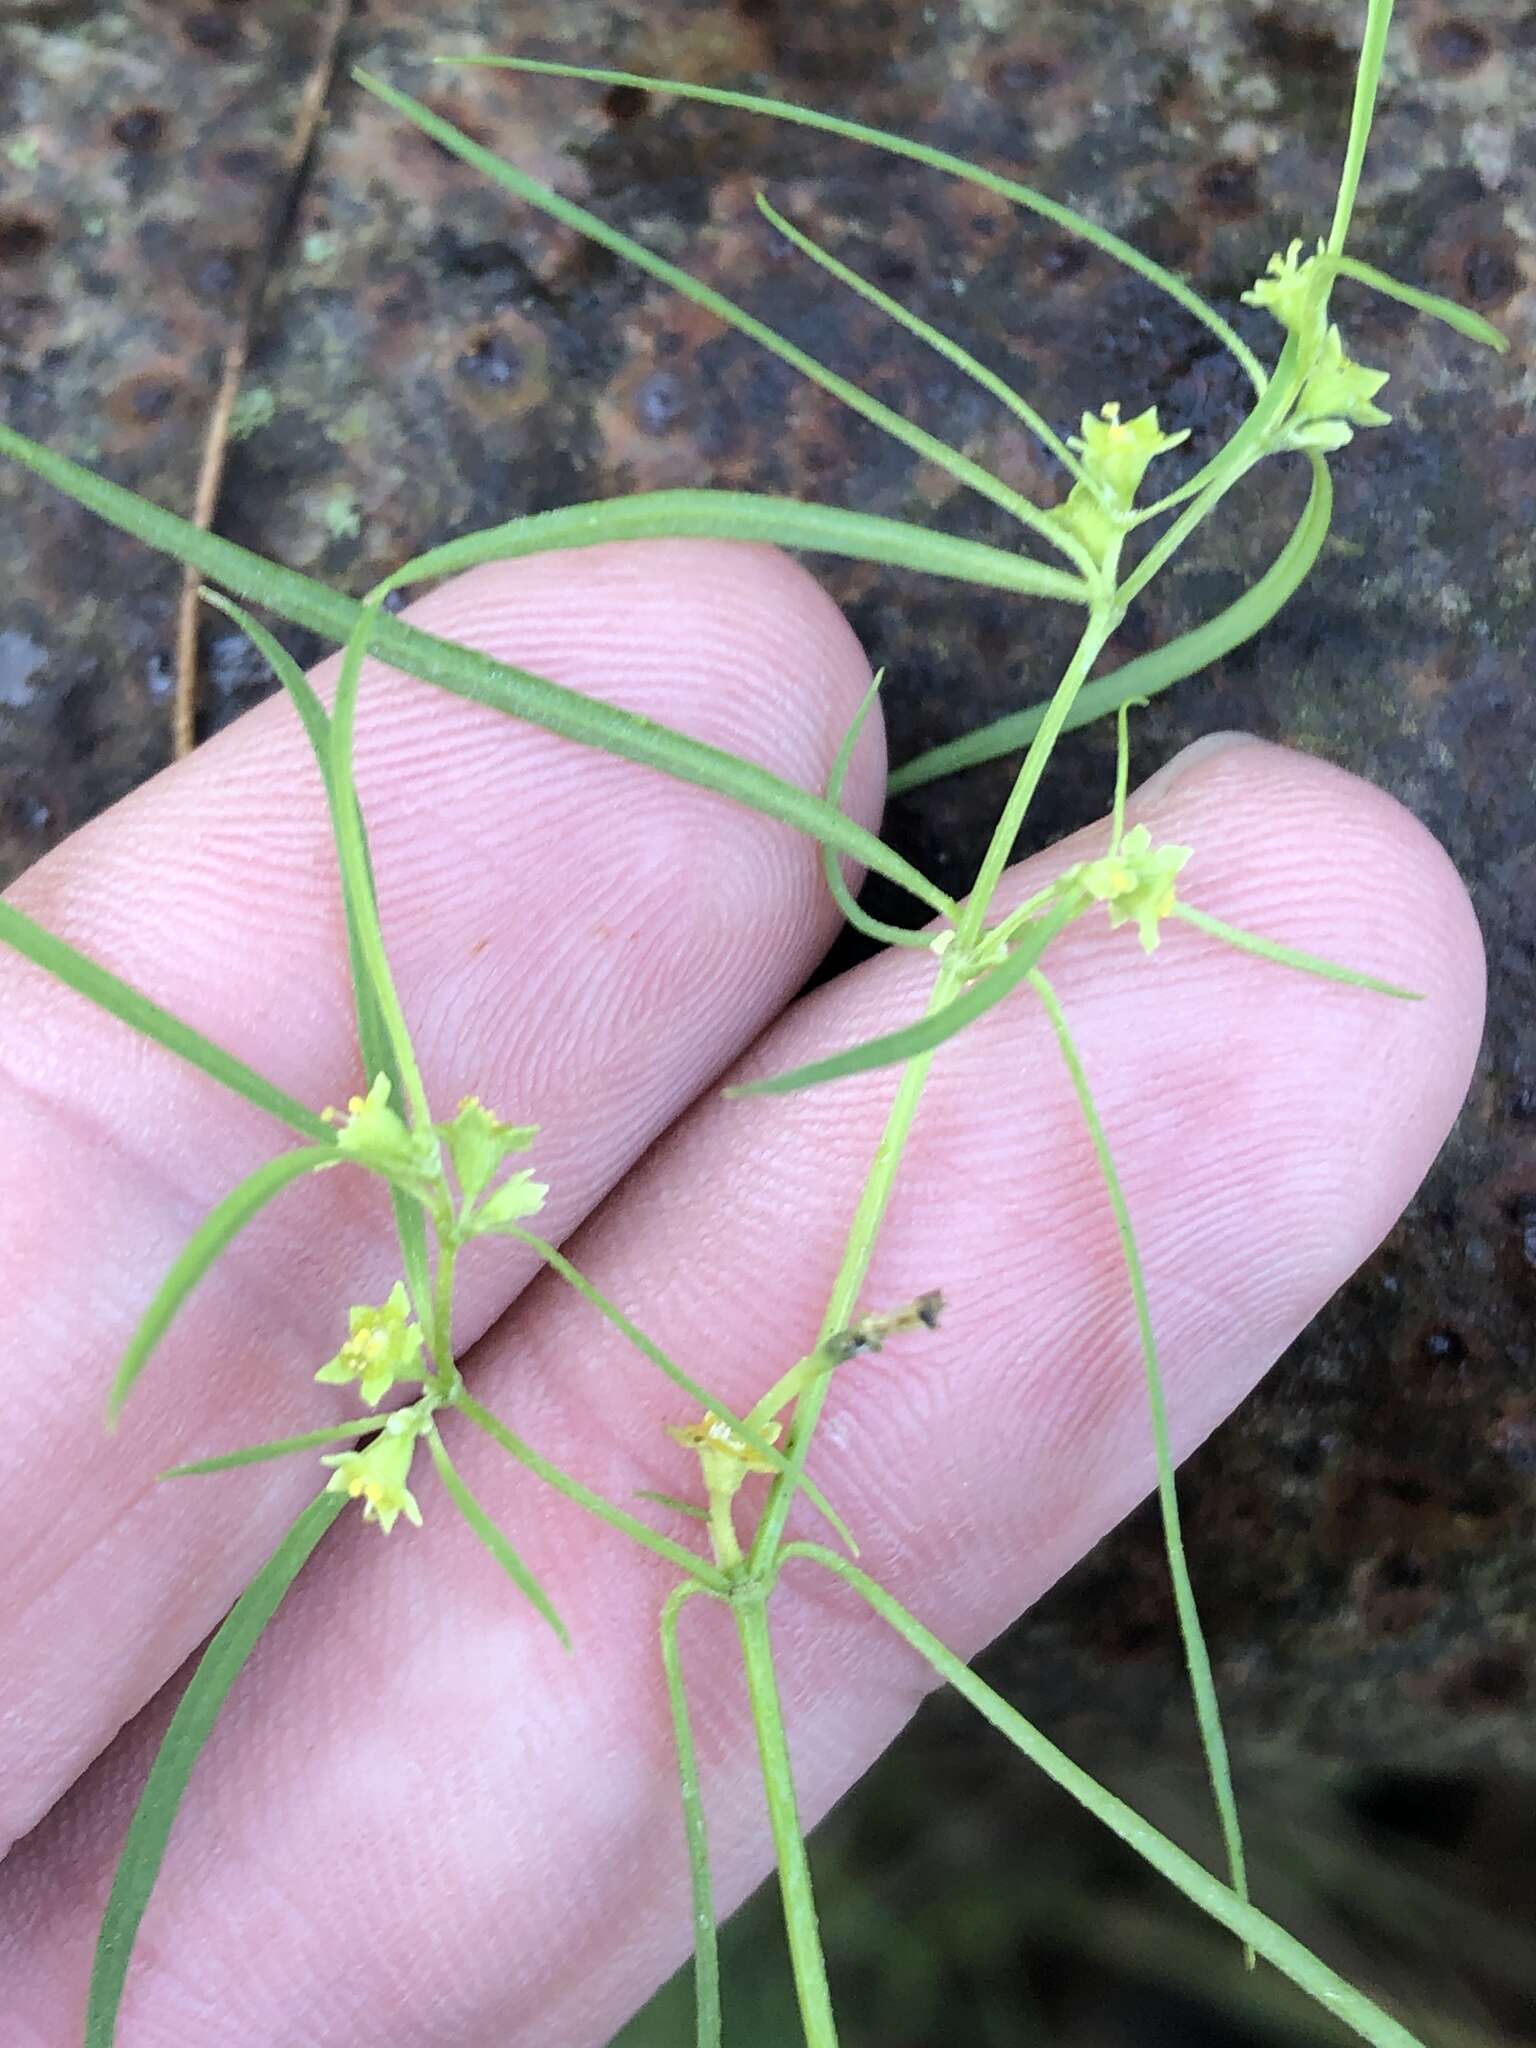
<point x="144" y="1851"/>
<point x="493" y="1538"/>
<point x="747" y="516"/>
<point x="1472" y="325"/>
<point x="213" y="1235"/>
<point x="1160" y="669"/>
<point x="121" y="1000"/>
<point x="1026" y="196"/>
<point x="478" y="677"/>
<point x="534" y="193"/>
<point x="912" y="1040"/>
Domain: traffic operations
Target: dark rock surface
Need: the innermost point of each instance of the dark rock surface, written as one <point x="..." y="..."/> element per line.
<point x="436" y="359"/>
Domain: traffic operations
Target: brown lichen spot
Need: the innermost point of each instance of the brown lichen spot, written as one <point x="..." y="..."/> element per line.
<point x="625" y="103"/>
<point x="1228" y="188"/>
<point x="144" y="400"/>
<point x="23" y="238"/>
<point x="501" y="367"/>
<point x="139" y="129"/>
<point x="1021" y="75"/>
<point x="213" y="33"/>
<point x="1492" y="1682"/>
<point x="1287" y="44"/>
<point x="1393" y="1591"/>
<point x="246" y="163"/>
<point x="1455" y="47"/>
<point x="1474" y="257"/>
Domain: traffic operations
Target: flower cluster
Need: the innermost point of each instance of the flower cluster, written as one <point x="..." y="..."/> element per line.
<point x="1337" y="393"/>
<point x="1137" y="882"/>
<point x="1116" y="455"/>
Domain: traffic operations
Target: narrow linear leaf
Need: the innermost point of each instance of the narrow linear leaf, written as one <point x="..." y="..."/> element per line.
<point x="872" y="927"/>
<point x="1288" y="956"/>
<point x="928" y="1032"/>
<point x="144" y="1851"/>
<point x="1472" y="325"/>
<point x="1025" y="196"/>
<point x="932" y="337"/>
<point x="670" y="1500"/>
<point x="1197" y="1656"/>
<point x="493" y="1539"/>
<point x="1160" y="669"/>
<point x="688" y="1561"/>
<point x="746" y="516"/>
<point x="280" y="1447"/>
<point x="648" y="1348"/>
<point x="121" y="1000"/>
<point x="1289" y="1956"/>
<point x="477" y="677"/>
<point x="213" y="1235"/>
<point x="706" y="1945"/>
<point x="533" y="193"/>
<point x="378" y="1055"/>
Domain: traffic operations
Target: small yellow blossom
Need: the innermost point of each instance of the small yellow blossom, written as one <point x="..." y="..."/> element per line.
<point x="376" y="1475"/>
<point x="1136" y="881"/>
<point x="725" y="1459"/>
<point x="478" y="1143"/>
<point x="376" y="1136"/>
<point x="1116" y="455"/>
<point x="384" y="1346"/>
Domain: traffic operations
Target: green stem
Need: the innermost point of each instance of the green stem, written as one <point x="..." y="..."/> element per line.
<point x="706" y="1947"/>
<point x="1102" y="621"/>
<point x="710" y="1579"/>
<point x="1196" y="1655"/>
<point x="1367" y="86"/>
<point x="442" y="1311"/>
<point x="1288" y="1955"/>
<point x="800" y="1921"/>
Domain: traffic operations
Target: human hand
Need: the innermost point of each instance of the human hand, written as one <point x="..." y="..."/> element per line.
<point x="420" y="1818"/>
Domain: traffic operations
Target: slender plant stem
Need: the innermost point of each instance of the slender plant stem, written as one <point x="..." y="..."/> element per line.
<point x="1288" y="1955"/>
<point x="706" y="1947"/>
<point x="800" y="1921"/>
<point x="1196" y="1655"/>
<point x="711" y="1580"/>
<point x="1367" y="85"/>
<point x="442" y="1310"/>
<point x="1101" y="624"/>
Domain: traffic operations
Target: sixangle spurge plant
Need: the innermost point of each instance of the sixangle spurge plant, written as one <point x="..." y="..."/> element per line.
<point x="460" y="1178"/>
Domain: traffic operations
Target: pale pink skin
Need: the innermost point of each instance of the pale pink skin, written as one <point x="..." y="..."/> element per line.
<point x="421" y="1820"/>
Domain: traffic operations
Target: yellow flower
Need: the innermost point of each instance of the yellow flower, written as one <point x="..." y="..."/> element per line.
<point x="376" y="1475"/>
<point x="384" y="1346"/>
<point x="724" y="1458"/>
<point x="1136" y="881"/>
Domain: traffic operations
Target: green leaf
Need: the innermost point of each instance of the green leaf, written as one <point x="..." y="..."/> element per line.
<point x="1152" y="672"/>
<point x="212" y="1236"/>
<point x="1289" y="1956"/>
<point x="548" y="201"/>
<point x="922" y="1037"/>
<point x="931" y="337"/>
<point x="1196" y="1654"/>
<point x="744" y="516"/>
<point x="493" y="1539"/>
<point x="648" y="1348"/>
<point x="474" y="676"/>
<point x="872" y="927"/>
<point x="378" y="1055"/>
<point x="124" y="1002"/>
<point x="1076" y="224"/>
<point x="1288" y="956"/>
<point x="280" y="1447"/>
<point x="144" y="1851"/>
<point x="706" y="1945"/>
<point x="670" y="1500"/>
<point x="1472" y="325"/>
<point x="688" y="1561"/>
